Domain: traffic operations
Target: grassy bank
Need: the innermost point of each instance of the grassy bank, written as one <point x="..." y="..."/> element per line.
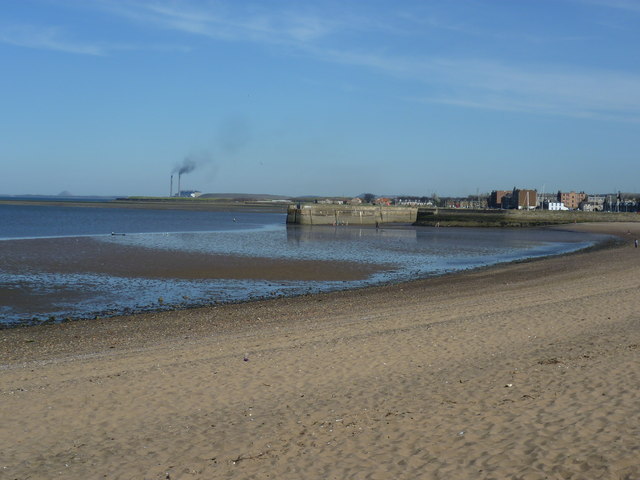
<point x="514" y="218"/>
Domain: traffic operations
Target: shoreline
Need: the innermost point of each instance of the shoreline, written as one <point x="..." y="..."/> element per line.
<point x="519" y="370"/>
<point x="90" y="257"/>
<point x="614" y="230"/>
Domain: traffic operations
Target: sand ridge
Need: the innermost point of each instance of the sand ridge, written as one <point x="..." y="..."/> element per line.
<point x="524" y="371"/>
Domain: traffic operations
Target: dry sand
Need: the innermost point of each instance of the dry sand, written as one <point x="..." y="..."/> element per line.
<point x="523" y="371"/>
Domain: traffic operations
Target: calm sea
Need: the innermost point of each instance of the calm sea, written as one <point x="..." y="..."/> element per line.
<point x="413" y="252"/>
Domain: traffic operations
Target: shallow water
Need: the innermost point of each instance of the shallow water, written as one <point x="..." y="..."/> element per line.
<point x="407" y="253"/>
<point x="36" y="221"/>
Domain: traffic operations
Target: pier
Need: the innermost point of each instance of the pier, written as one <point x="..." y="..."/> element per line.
<point x="326" y="214"/>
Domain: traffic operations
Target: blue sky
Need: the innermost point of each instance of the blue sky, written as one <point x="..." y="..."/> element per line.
<point x="110" y="97"/>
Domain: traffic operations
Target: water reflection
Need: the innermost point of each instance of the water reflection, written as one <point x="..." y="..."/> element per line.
<point x="298" y="234"/>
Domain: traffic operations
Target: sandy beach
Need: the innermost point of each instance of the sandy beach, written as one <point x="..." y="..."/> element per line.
<point x="521" y="371"/>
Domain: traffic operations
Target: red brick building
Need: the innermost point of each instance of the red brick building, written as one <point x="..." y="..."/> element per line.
<point x="516" y="198"/>
<point x="572" y="200"/>
<point x="497" y="198"/>
<point x="524" y="199"/>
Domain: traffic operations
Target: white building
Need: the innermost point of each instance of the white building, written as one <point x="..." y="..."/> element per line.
<point x="556" y="206"/>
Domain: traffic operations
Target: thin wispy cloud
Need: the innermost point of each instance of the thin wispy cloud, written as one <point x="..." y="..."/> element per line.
<point x="489" y="84"/>
<point x="57" y="39"/>
<point x="477" y="83"/>
<point x="47" y="38"/>
<point x="518" y="105"/>
<point x="318" y="34"/>
<point x="220" y="22"/>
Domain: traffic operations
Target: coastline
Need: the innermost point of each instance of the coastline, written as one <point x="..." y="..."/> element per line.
<point x="94" y="259"/>
<point x="90" y="277"/>
<point x="523" y="369"/>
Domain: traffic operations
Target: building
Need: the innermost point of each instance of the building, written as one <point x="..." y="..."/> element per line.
<point x="496" y="199"/>
<point x="593" y="203"/>
<point x="516" y="199"/>
<point x="524" y="199"/>
<point x="544" y="198"/>
<point x="588" y="207"/>
<point x="571" y="199"/>
<point x="414" y="201"/>
<point x="554" y="206"/>
<point x="472" y="203"/>
<point x="189" y="193"/>
<point x="382" y="201"/>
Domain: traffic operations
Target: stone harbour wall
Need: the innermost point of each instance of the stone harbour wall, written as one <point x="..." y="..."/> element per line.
<point x="445" y="217"/>
<point x="320" y="214"/>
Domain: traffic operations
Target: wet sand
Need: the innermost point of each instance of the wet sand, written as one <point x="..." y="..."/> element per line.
<point x="524" y="371"/>
<point x="87" y="255"/>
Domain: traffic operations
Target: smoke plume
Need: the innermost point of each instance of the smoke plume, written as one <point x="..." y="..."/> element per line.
<point x="191" y="162"/>
<point x="188" y="165"/>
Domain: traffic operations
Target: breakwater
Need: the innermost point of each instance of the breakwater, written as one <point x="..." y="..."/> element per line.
<point x="445" y="217"/>
<point x="321" y="214"/>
